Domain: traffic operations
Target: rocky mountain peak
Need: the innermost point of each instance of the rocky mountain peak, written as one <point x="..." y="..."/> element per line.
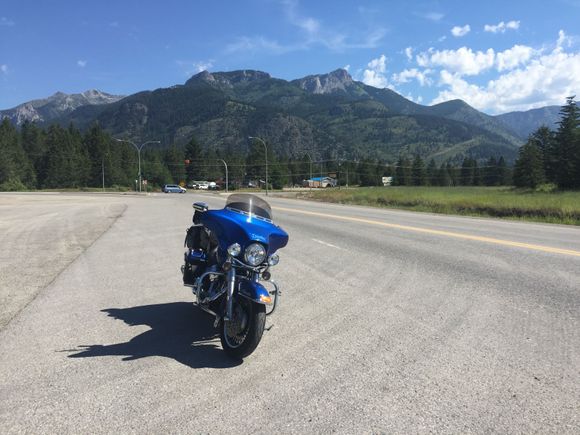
<point x="59" y="103"/>
<point x="227" y="80"/>
<point x="337" y="80"/>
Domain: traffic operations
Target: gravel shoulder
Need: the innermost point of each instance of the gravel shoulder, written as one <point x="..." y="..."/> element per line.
<point x="40" y="236"/>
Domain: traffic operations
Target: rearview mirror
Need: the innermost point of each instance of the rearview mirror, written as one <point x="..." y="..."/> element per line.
<point x="200" y="206"/>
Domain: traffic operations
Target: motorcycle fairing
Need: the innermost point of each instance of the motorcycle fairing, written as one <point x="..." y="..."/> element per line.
<point x="230" y="225"/>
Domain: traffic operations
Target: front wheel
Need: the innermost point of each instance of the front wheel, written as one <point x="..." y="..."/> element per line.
<point x="241" y="335"/>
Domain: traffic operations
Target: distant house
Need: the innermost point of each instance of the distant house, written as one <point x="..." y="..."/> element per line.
<point x="387" y="181"/>
<point x="319" y="182"/>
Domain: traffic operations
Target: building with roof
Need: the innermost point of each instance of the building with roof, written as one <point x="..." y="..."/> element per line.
<point x="320" y="182"/>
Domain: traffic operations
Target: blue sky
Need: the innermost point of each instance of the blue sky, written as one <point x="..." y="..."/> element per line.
<point x="497" y="55"/>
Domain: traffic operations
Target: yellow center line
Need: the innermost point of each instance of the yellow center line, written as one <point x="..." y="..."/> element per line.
<point x="438" y="232"/>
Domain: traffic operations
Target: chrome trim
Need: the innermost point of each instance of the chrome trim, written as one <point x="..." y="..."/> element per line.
<point x="207" y="310"/>
<point x="230" y="295"/>
<point x="196" y="288"/>
<point x="276" y="294"/>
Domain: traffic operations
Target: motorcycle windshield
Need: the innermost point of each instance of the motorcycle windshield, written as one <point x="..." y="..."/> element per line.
<point x="251" y="205"/>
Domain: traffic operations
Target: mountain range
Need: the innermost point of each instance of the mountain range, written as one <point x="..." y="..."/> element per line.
<point x="327" y="115"/>
<point x="49" y="109"/>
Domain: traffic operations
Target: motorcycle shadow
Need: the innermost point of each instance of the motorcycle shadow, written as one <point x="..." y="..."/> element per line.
<point x="179" y="330"/>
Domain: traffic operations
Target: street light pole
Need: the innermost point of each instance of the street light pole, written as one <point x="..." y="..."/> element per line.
<point x="226" y="165"/>
<point x="138" y="148"/>
<point x="103" y="171"/>
<point x="311" y="180"/>
<point x="266" y="153"/>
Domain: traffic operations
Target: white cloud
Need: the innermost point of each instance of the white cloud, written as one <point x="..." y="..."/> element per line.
<point x="544" y="79"/>
<point x="4" y="69"/>
<point x="346" y="67"/>
<point x="433" y="16"/>
<point x="463" y="61"/>
<point x="563" y="39"/>
<point x="6" y="22"/>
<point x="501" y="27"/>
<point x="407" y="75"/>
<point x="259" y="43"/>
<point x="81" y="63"/>
<point x="312" y="33"/>
<point x="513" y="57"/>
<point x="374" y="75"/>
<point x="458" y="31"/>
<point x="409" y="53"/>
<point x="309" y="24"/>
<point x="417" y="100"/>
<point x="195" y="67"/>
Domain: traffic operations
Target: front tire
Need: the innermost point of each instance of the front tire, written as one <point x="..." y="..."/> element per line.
<point x="241" y="335"/>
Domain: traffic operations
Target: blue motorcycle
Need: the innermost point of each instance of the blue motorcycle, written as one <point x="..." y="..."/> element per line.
<point x="227" y="264"/>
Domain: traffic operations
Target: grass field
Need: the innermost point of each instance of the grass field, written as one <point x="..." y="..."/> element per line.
<point x="552" y="207"/>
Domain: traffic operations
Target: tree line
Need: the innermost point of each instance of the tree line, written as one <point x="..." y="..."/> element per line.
<point x="552" y="156"/>
<point x="56" y="157"/>
<point x="32" y="157"/>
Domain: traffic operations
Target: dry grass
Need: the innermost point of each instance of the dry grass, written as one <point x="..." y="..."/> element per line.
<point x="552" y="207"/>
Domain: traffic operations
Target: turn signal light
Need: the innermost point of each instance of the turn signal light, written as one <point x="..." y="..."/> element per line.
<point x="266" y="299"/>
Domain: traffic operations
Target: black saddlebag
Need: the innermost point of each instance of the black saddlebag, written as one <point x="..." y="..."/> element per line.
<point x="196" y="238"/>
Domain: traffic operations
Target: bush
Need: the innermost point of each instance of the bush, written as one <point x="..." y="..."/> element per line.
<point x="13" y="185"/>
<point x="547" y="188"/>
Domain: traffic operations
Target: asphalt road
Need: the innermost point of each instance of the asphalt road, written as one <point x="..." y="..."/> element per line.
<point x="390" y="322"/>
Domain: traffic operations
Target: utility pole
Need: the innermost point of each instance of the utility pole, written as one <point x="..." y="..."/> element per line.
<point x="311" y="180"/>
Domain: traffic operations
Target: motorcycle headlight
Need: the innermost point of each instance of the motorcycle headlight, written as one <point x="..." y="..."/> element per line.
<point x="234" y="250"/>
<point x="273" y="260"/>
<point x="255" y="254"/>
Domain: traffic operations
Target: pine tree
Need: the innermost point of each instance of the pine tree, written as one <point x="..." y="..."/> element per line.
<point x="544" y="139"/>
<point x="568" y="146"/>
<point x="468" y="172"/>
<point x="403" y="172"/>
<point x="32" y="139"/>
<point x="443" y="176"/>
<point x="278" y="177"/>
<point x="16" y="171"/>
<point x="529" y="168"/>
<point x="193" y="154"/>
<point x="368" y="176"/>
<point x="432" y="173"/>
<point x="490" y="173"/>
<point x="418" y="172"/>
<point x="66" y="160"/>
<point x="174" y="159"/>
<point x="256" y="162"/>
<point x="503" y="173"/>
<point x="98" y="146"/>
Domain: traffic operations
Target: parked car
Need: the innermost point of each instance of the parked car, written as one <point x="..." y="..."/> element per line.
<point x="203" y="185"/>
<point x="173" y="188"/>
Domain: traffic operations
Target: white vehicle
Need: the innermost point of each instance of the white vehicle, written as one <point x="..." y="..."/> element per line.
<point x="203" y="185"/>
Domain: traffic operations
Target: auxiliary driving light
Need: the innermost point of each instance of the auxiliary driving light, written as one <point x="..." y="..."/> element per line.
<point x="273" y="260"/>
<point x="234" y="250"/>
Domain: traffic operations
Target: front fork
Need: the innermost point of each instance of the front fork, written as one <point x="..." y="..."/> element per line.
<point x="230" y="298"/>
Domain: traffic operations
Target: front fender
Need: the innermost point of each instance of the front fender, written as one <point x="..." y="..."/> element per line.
<point x="254" y="291"/>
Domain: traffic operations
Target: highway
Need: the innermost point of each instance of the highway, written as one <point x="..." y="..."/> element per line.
<point x="390" y="322"/>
